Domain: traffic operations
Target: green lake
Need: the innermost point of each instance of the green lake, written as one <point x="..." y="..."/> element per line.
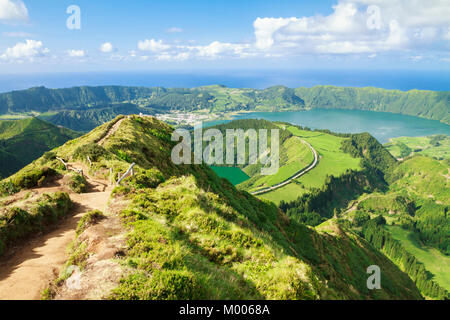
<point x="233" y="174"/>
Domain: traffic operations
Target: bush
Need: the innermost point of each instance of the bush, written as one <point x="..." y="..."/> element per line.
<point x="7" y="188"/>
<point x="30" y="178"/>
<point x="93" y="150"/>
<point x="78" y="183"/>
<point x="147" y="179"/>
<point x="17" y="223"/>
<point x="161" y="285"/>
<point x="89" y="219"/>
<point x="123" y="156"/>
<point x="48" y="156"/>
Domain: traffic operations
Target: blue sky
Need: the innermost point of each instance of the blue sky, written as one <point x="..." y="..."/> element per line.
<point x="245" y="34"/>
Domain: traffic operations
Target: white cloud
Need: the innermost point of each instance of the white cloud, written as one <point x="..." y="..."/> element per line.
<point x="107" y="47"/>
<point x="13" y="10"/>
<point x="358" y="26"/>
<point x="152" y="45"/>
<point x="27" y="50"/>
<point x="446" y="34"/>
<point x="216" y="49"/>
<point x="76" y="53"/>
<point x="416" y="58"/>
<point x="17" y="34"/>
<point x="174" y="30"/>
<point x="182" y="56"/>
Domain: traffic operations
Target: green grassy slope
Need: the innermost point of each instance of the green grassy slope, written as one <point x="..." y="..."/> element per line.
<point x="434" y="261"/>
<point x="333" y="161"/>
<point x="294" y="155"/>
<point x="216" y="98"/>
<point x="416" y="207"/>
<point x="193" y="235"/>
<point x="22" y="141"/>
<point x="90" y="118"/>
<point x="437" y="146"/>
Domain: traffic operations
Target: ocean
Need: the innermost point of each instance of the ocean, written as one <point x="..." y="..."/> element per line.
<point x="402" y="80"/>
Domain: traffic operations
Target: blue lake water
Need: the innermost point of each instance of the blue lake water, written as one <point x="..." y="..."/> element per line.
<point x="381" y="125"/>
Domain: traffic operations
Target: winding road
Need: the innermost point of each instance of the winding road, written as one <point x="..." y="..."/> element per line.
<point x="295" y="176"/>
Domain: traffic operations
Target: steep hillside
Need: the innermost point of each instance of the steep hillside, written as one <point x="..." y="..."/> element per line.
<point x="425" y="104"/>
<point x="416" y="225"/>
<point x="333" y="161"/>
<point x="216" y="98"/>
<point x="89" y="118"/>
<point x="22" y="141"/>
<point x="437" y="146"/>
<point x="294" y="154"/>
<point x="78" y="102"/>
<point x="192" y="235"/>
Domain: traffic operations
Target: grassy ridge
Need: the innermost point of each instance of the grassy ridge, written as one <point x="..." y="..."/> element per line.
<point x="91" y="118"/>
<point x="294" y="155"/>
<point x="437" y="146"/>
<point x="22" y="141"/>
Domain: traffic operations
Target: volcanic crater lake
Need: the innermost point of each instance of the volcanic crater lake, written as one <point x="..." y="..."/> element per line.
<point x="381" y="125"/>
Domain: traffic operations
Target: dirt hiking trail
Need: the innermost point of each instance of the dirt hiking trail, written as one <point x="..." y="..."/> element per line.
<point x="27" y="269"/>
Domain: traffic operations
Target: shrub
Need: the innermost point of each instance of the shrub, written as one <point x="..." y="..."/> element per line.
<point x="48" y="156"/>
<point x="30" y="178"/>
<point x="78" y="183"/>
<point x="161" y="285"/>
<point x="17" y="223"/>
<point x="123" y="156"/>
<point x="89" y="219"/>
<point x="7" y="188"/>
<point x="147" y="179"/>
<point x="93" y="150"/>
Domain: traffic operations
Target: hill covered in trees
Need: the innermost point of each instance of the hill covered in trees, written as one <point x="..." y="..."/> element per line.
<point x="22" y="141"/>
<point x="81" y="108"/>
<point x="436" y="146"/>
<point x="426" y="104"/>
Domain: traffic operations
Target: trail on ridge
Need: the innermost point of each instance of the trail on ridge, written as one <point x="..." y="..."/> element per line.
<point x="28" y="268"/>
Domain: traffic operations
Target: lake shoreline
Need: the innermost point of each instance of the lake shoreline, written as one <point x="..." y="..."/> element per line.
<point x="382" y="125"/>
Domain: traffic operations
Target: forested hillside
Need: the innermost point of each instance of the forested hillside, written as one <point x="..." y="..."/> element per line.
<point x="87" y="119"/>
<point x="22" y="141"/>
<point x="77" y="105"/>
<point x="426" y="104"/>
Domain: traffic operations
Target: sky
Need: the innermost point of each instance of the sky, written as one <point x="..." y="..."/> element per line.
<point x="109" y="35"/>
